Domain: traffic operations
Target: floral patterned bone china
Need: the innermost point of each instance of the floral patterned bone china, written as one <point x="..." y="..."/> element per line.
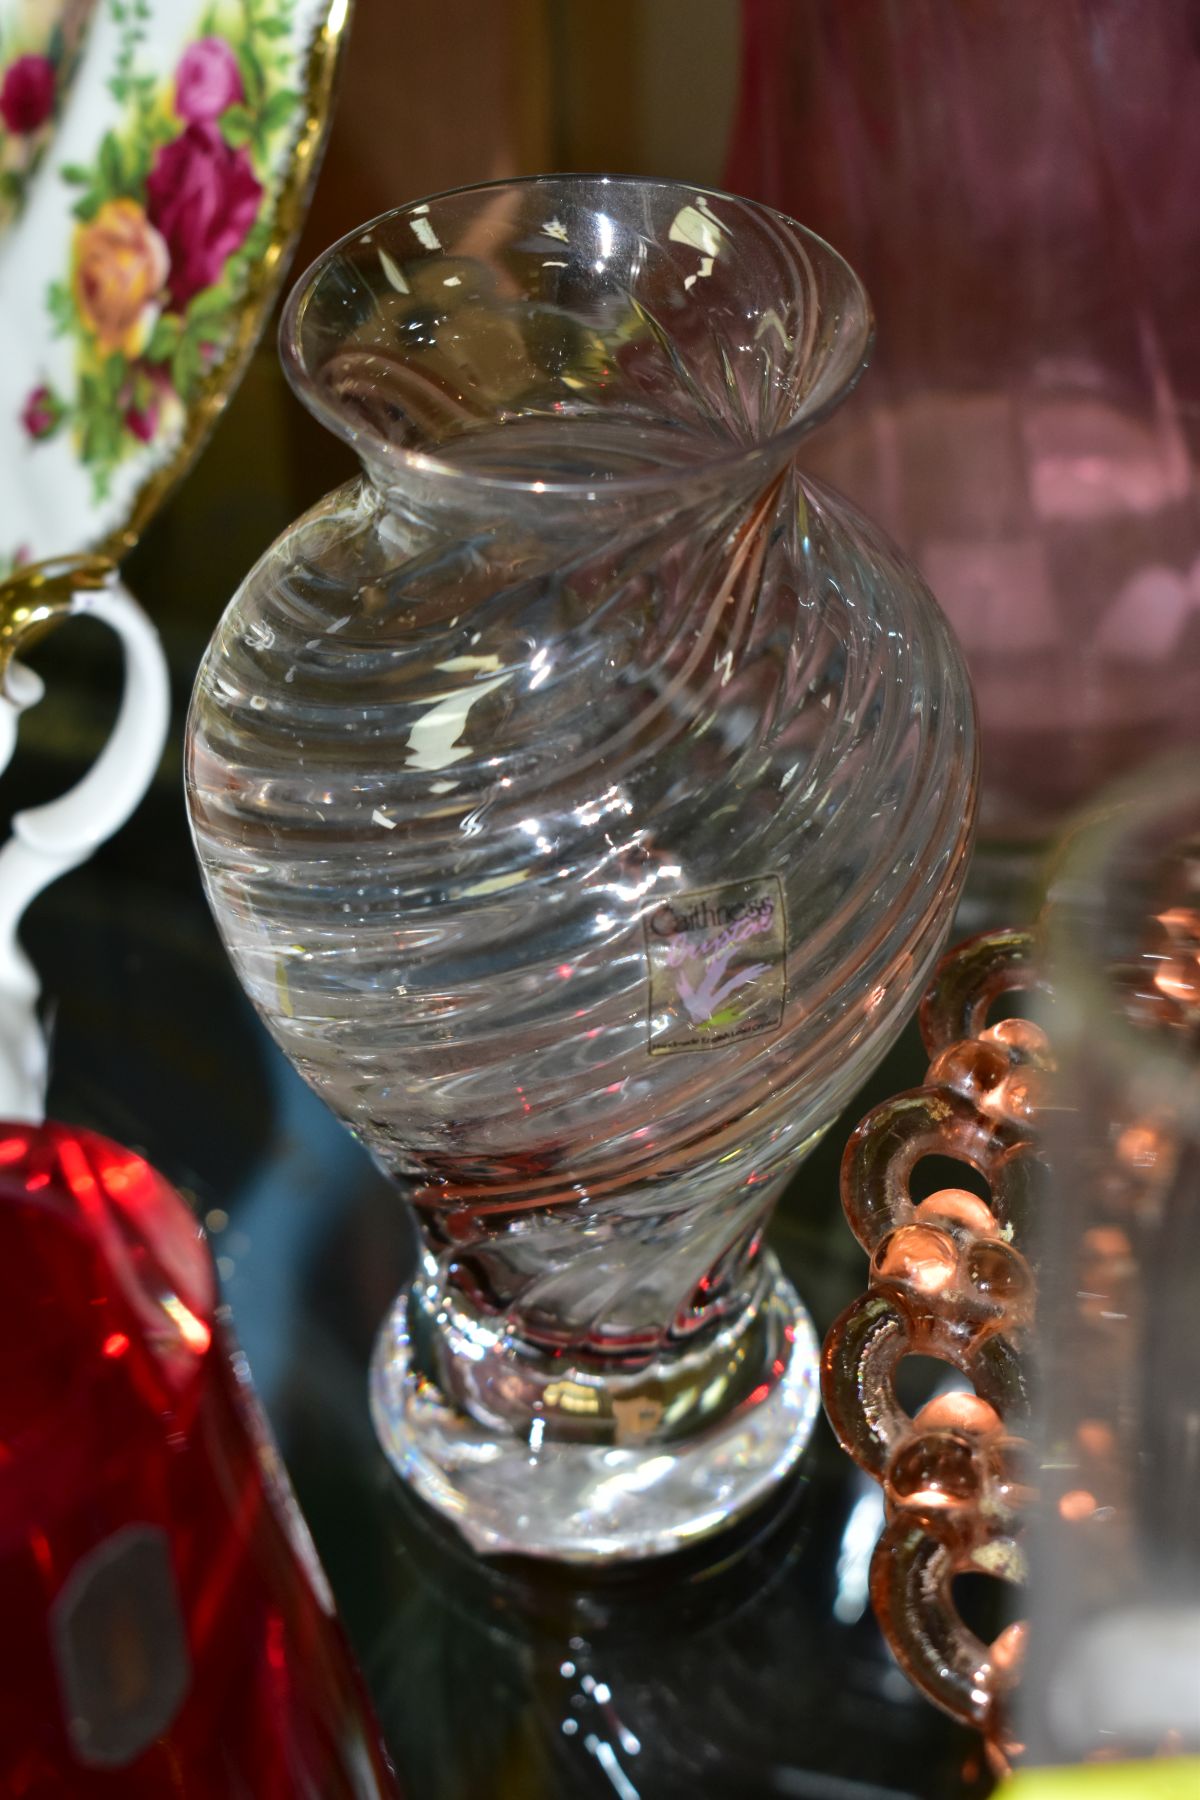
<point x="583" y="797"/>
<point x="154" y="156"/>
<point x="40" y="43"/>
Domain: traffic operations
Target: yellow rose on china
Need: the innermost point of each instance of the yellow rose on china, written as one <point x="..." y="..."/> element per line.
<point x="120" y="269"/>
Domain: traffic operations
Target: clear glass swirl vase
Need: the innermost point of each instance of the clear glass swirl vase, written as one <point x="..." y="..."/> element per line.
<point x="583" y="798"/>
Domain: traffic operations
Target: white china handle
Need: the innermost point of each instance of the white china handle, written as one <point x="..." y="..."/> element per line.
<point x="48" y="840"/>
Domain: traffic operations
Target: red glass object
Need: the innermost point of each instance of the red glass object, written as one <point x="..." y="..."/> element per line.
<point x="166" y="1626"/>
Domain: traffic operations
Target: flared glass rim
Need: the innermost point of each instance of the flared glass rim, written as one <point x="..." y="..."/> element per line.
<point x="846" y="365"/>
<point x="1079" y="910"/>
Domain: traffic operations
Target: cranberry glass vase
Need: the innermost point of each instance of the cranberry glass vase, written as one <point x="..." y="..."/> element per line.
<point x="1016" y="182"/>
<point x="583" y="798"/>
<point x="166" y="1626"/>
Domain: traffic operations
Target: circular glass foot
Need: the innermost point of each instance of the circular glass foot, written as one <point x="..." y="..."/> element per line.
<point x="595" y="1503"/>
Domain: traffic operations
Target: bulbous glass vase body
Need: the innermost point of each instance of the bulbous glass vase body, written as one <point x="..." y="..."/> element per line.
<point x="583" y="798"/>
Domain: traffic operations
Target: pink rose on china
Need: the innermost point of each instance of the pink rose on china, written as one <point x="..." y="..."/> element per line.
<point x="207" y="81"/>
<point x="42" y="413"/>
<point x="27" y="94"/>
<point x="151" y="404"/>
<point x="202" y="196"/>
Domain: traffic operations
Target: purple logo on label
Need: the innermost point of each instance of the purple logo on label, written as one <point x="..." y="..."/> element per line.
<point x="715" y="960"/>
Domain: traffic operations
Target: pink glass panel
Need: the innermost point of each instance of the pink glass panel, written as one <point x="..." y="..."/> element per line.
<point x="1016" y="183"/>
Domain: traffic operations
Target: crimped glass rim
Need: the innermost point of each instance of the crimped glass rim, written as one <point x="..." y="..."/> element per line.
<point x="841" y="371"/>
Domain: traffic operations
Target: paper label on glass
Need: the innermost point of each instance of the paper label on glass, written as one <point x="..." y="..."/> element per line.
<point x="121" y="1648"/>
<point x="715" y="961"/>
